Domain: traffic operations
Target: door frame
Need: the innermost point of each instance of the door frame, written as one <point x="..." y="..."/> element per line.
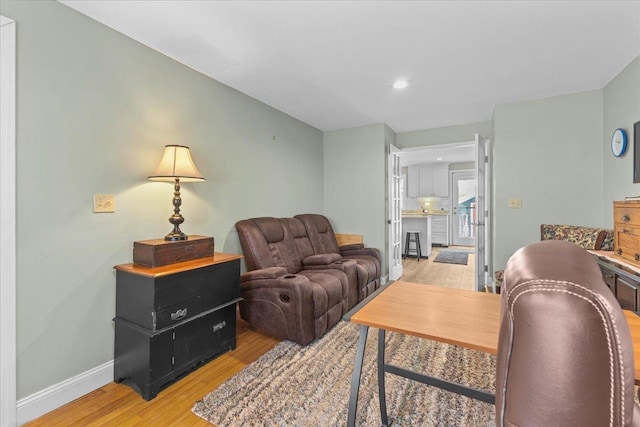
<point x="7" y="222"/>
<point x="395" y="214"/>
<point x="488" y="179"/>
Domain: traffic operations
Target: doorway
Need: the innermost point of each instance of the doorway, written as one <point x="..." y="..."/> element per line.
<point x="420" y="169"/>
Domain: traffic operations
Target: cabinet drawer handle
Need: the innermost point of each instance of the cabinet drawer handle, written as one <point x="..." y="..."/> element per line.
<point x="637" y="257"/>
<point x="619" y="251"/>
<point x="179" y="314"/>
<point x="626" y="218"/>
<point x="219" y="326"/>
<point x="625" y="231"/>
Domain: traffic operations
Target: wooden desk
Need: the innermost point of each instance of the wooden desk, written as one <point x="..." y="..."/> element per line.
<point x="464" y="318"/>
<point x="634" y="325"/>
<point x="453" y="316"/>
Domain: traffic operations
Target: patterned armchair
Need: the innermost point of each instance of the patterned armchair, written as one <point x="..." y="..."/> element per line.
<point x="598" y="239"/>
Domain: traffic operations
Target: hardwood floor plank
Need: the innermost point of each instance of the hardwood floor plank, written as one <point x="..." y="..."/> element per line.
<point x="440" y="274"/>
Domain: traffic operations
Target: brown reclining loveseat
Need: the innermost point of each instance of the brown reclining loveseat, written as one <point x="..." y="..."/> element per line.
<point x="289" y="290"/>
<point x="323" y="240"/>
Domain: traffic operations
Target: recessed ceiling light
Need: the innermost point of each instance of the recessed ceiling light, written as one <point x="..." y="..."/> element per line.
<point x="400" y="84"/>
<point x="439" y="158"/>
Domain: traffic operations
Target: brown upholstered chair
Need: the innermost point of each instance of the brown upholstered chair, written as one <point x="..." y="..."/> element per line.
<point x="599" y="239"/>
<point x="369" y="261"/>
<point x="285" y="294"/>
<point x="565" y="354"/>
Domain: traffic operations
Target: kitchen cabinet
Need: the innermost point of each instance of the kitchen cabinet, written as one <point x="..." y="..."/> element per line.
<point x="440" y="230"/>
<point x="413" y="181"/>
<point x="428" y="180"/>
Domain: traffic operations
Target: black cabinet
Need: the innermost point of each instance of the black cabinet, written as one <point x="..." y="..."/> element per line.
<point x="172" y="318"/>
<point x="623" y="280"/>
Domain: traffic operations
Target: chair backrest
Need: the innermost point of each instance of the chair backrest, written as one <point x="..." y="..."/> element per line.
<point x="320" y="232"/>
<point x="565" y="354"/>
<point x="586" y="237"/>
<point x="300" y="237"/>
<point x="266" y="242"/>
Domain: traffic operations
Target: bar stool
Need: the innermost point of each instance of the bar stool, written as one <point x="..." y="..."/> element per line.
<point x="407" y="247"/>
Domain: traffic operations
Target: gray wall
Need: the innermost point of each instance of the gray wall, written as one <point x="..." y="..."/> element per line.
<point x="444" y="135"/>
<point x="94" y="110"/>
<point x="621" y="110"/>
<point x="355" y="184"/>
<point x="549" y="153"/>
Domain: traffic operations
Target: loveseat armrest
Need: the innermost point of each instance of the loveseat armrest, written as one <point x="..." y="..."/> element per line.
<point x="351" y="247"/>
<point x="354" y="252"/>
<point x="281" y="306"/>
<point x="263" y="273"/>
<point x="321" y="259"/>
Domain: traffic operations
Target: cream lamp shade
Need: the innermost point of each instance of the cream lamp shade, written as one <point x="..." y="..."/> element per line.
<point x="176" y="165"/>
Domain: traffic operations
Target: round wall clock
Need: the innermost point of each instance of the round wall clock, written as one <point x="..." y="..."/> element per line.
<point x="619" y="142"/>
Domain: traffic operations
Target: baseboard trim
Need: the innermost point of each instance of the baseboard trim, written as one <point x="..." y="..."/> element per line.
<point x="57" y="395"/>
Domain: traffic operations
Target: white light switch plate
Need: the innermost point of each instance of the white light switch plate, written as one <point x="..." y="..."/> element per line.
<point x="104" y="203"/>
<point x="515" y="203"/>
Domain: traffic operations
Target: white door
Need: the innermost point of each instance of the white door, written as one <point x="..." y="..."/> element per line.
<point x="463" y="215"/>
<point x="7" y="223"/>
<point x="395" y="215"/>
<point x="481" y="223"/>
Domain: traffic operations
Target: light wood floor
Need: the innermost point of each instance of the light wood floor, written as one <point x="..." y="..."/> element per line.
<point x="436" y="273"/>
<point x="118" y="405"/>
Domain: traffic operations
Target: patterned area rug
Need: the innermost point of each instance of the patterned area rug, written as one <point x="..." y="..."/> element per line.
<point x="452" y="257"/>
<point x="309" y="386"/>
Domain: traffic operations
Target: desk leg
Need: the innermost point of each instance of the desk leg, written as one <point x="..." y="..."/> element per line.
<point x="355" y="379"/>
<point x="381" y="388"/>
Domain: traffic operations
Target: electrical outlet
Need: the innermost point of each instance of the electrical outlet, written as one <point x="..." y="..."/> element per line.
<point x="104" y="203"/>
<point x="515" y="203"/>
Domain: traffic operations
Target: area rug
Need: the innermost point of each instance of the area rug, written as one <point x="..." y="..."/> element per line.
<point x="309" y="386"/>
<point x="452" y="257"/>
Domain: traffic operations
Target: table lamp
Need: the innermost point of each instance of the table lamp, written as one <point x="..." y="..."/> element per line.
<point x="176" y="165"/>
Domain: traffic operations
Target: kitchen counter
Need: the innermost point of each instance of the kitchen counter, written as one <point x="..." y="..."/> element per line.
<point x="438" y="229"/>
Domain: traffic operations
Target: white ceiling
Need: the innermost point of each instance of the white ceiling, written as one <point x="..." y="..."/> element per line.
<point x="331" y="64"/>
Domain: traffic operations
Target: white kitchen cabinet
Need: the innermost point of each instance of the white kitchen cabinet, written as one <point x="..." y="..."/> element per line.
<point x="441" y="180"/>
<point x="432" y="180"/>
<point x="413" y="181"/>
<point x="440" y="230"/>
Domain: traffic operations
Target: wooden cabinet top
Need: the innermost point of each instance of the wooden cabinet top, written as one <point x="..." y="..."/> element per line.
<point x="635" y="203"/>
<point x="165" y="270"/>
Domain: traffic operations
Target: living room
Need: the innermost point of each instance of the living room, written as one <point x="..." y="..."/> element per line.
<point x="95" y="108"/>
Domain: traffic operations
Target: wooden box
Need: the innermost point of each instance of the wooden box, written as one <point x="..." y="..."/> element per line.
<point x="157" y="252"/>
<point x="626" y="229"/>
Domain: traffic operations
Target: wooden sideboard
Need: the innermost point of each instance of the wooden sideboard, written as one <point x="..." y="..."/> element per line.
<point x="626" y="229"/>
<point x="172" y="318"/>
